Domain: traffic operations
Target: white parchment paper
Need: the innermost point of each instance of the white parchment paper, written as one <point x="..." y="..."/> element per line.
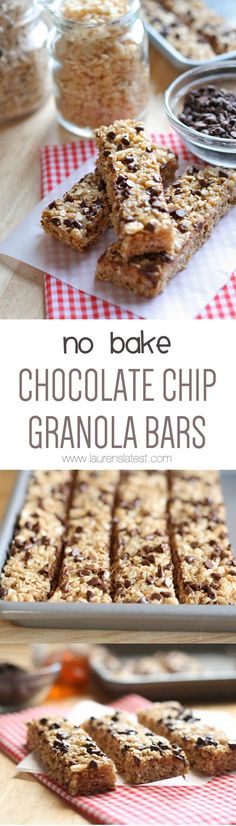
<point x="184" y="297"/>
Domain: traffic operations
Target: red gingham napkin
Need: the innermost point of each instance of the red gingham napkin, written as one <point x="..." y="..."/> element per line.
<point x="61" y="300"/>
<point x="214" y="803"/>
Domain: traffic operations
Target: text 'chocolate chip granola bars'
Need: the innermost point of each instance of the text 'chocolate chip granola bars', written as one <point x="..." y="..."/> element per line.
<point x="159" y="223"/>
<point x="208" y="750"/>
<point x="129" y="537"/>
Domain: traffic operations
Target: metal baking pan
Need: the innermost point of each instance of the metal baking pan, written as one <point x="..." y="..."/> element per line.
<point x="175" y="57"/>
<point x="217" y="680"/>
<point x="199" y="618"/>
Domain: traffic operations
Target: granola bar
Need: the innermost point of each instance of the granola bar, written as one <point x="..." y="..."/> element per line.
<point x="81" y="216"/>
<point x="208" y="750"/>
<point x="85" y="570"/>
<point x="71" y="757"/>
<point x="131" y="169"/>
<point x="122" y="135"/>
<point x="189" y="43"/>
<point x="142" y="569"/>
<point x="139" y="755"/>
<point x="205" y="568"/>
<point x="35" y="552"/>
<point x="197" y="201"/>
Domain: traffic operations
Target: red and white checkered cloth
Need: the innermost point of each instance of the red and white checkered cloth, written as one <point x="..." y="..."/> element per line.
<point x="61" y="300"/>
<point x="213" y="804"/>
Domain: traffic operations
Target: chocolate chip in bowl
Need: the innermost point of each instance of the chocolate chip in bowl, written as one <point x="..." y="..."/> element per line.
<point x="20" y="687"/>
<point x="211" y="110"/>
<point x="201" y="107"/>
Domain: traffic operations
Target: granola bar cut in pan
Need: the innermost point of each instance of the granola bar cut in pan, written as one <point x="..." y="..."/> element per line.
<point x="196" y="201"/>
<point x="208" y="750"/>
<point x="180" y="36"/>
<point x="205" y="568"/>
<point x="35" y="552"/>
<point x="206" y="22"/>
<point x="142" y="569"/>
<point x="131" y="168"/>
<point x="139" y="755"/>
<point x="71" y="757"/>
<point x="85" y="570"/>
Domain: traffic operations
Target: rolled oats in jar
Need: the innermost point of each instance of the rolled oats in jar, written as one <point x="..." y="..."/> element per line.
<point x="100" y="64"/>
<point x="24" y="64"/>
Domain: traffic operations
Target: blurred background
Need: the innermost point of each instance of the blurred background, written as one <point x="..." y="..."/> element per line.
<point x="32" y="674"/>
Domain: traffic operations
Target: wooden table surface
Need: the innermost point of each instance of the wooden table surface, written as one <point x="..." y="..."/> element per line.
<point x="21" y="287"/>
<point x="23" y="800"/>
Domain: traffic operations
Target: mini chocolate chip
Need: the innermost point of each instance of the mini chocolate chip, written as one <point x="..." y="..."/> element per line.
<point x="150" y="227"/>
<point x="3" y="592"/>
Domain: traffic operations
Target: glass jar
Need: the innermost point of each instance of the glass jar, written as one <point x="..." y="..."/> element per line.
<point x="24" y="64"/>
<point x="99" y="52"/>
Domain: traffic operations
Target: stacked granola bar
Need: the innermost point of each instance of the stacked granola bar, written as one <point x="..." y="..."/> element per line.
<point x="159" y="223"/>
<point x="195" y="202"/>
<point x="85" y="211"/>
<point x="130" y="537"/>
